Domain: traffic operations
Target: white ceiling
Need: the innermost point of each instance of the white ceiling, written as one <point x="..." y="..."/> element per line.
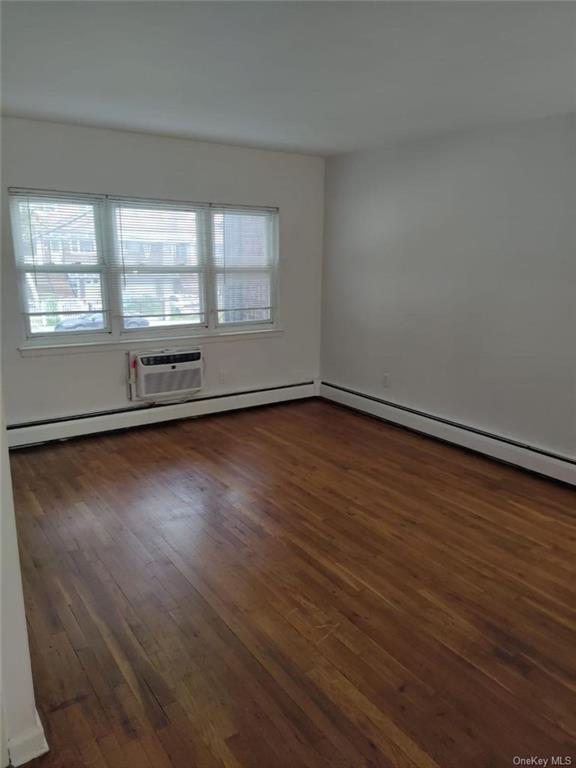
<point x="322" y="77"/>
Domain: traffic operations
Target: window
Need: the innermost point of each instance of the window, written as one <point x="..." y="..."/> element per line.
<point x="242" y="248"/>
<point x="59" y="258"/>
<point x="103" y="265"/>
<point x="162" y="265"/>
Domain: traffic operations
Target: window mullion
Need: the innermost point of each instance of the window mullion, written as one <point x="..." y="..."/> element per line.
<point x="211" y="308"/>
<point x="111" y="273"/>
<point x="272" y="234"/>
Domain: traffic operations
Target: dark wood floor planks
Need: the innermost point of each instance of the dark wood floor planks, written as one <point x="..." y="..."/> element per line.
<point x="292" y="586"/>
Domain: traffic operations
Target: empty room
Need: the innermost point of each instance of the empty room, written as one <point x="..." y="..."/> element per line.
<point x="288" y="384"/>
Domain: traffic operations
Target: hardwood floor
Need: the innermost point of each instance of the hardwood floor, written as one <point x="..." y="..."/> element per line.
<point x="297" y="585"/>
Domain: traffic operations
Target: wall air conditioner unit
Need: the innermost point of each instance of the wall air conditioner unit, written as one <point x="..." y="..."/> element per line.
<point x="165" y="375"/>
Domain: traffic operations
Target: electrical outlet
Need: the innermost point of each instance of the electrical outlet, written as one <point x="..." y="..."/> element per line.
<point x="386" y="380"/>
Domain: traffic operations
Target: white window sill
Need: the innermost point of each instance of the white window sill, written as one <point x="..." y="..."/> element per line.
<point x="134" y="342"/>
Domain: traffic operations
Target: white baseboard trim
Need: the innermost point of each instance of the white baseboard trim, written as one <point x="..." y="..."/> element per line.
<point x="27" y="745"/>
<point x="87" y="425"/>
<point x="495" y="447"/>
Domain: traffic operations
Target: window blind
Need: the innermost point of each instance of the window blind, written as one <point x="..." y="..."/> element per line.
<point x="59" y="257"/>
<point x="161" y="261"/>
<point x="102" y="264"/>
<point x="243" y="252"/>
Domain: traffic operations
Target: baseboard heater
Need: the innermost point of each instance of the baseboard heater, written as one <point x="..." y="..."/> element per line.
<point x="34" y="432"/>
<point x="497" y="447"/>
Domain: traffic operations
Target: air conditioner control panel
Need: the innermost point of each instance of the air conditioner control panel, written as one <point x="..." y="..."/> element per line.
<point x="167" y="359"/>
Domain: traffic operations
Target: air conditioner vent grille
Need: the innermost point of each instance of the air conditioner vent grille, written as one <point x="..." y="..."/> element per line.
<point x="171" y="381"/>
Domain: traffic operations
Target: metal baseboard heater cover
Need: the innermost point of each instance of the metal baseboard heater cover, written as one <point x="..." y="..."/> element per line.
<point x="147" y="412"/>
<point x="497" y="447"/>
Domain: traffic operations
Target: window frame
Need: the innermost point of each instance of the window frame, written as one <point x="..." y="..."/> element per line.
<point x="100" y="268"/>
<point x="271" y="269"/>
<point x="117" y="272"/>
<point x="111" y="273"/>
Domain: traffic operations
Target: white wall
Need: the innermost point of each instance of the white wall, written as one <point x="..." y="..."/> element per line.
<point x="48" y="155"/>
<point x="22" y="733"/>
<point x="450" y="264"/>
